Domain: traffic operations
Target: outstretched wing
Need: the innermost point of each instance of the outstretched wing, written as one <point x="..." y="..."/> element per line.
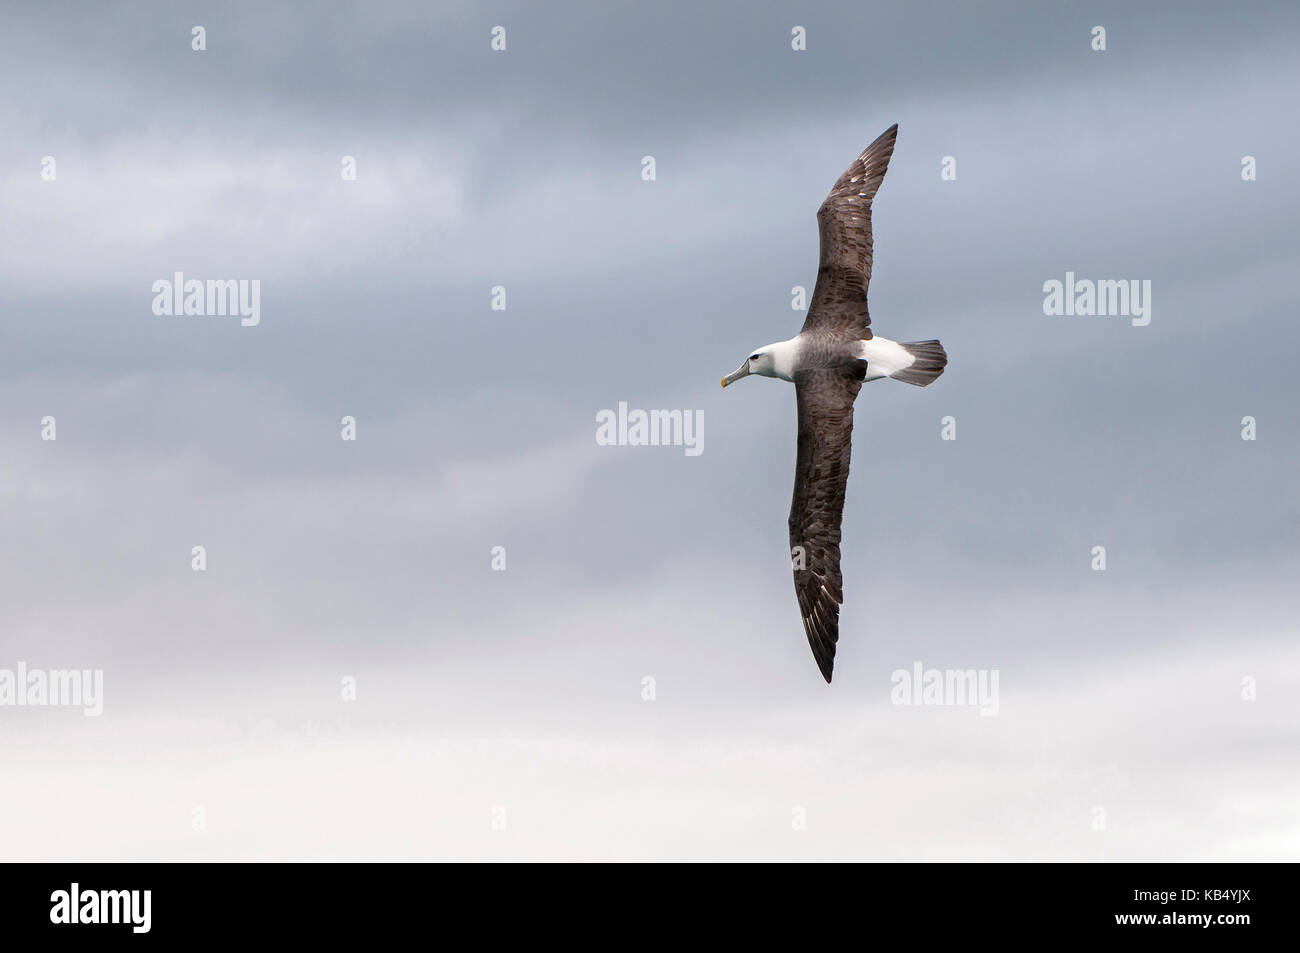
<point x="825" y="397"/>
<point x="839" y="300"/>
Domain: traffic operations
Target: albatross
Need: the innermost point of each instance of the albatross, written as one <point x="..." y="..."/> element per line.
<point x="828" y="362"/>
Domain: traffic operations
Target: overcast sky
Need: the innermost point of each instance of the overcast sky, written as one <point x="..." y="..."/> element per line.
<point x="518" y="694"/>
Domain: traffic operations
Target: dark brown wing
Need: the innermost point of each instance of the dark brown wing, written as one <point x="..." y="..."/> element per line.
<point x="825" y="397"/>
<point x="839" y="300"/>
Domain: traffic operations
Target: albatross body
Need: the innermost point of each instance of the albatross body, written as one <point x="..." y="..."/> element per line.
<point x="828" y="362"/>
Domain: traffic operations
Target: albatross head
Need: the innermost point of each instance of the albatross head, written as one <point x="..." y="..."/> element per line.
<point x="774" y="360"/>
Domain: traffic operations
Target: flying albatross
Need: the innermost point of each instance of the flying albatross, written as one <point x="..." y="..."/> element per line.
<point x="828" y="362"/>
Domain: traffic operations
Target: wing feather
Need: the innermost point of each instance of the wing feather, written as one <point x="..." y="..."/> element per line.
<point x="839" y="300"/>
<point x="825" y="397"/>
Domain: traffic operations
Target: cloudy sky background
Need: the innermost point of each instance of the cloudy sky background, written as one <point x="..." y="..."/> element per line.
<point x="522" y="689"/>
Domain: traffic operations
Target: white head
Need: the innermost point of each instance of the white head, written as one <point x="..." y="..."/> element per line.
<point x="774" y="360"/>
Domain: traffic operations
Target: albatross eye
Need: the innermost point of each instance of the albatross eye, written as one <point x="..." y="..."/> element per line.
<point x="753" y="357"/>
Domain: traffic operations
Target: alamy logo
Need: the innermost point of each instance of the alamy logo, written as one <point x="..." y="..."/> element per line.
<point x="1126" y="297"/>
<point x="59" y="688"/>
<point x="102" y="906"/>
<point x="952" y="687"/>
<point x="212" y="297"/>
<point x="654" y="428"/>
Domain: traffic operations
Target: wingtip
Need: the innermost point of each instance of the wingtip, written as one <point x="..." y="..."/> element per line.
<point x="820" y="610"/>
<point x="886" y="140"/>
<point x="826" y="666"/>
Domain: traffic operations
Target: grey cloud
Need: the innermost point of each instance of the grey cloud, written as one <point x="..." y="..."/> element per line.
<point x="477" y="427"/>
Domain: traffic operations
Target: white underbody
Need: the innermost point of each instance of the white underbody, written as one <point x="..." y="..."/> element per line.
<point x="883" y="357"/>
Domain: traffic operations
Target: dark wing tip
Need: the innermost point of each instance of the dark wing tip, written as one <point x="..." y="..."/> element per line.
<point x="821" y="623"/>
<point x="889" y="136"/>
<point x="850" y="197"/>
<point x="823" y="650"/>
<point x="826" y="667"/>
<point x="886" y="140"/>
